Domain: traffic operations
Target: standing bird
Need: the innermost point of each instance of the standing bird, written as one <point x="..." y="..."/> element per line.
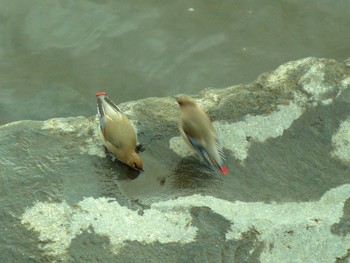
<point x="198" y="132"/>
<point x="116" y="132"/>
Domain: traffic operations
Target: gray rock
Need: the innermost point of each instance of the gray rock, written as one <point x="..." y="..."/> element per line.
<point x="287" y="141"/>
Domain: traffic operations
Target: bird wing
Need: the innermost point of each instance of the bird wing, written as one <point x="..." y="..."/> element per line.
<point x="101" y="113"/>
<point x="199" y="148"/>
<point x="109" y="113"/>
<point x="112" y="135"/>
<point x="113" y="106"/>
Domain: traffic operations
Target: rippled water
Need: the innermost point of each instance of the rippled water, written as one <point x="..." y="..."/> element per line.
<point x="55" y="55"/>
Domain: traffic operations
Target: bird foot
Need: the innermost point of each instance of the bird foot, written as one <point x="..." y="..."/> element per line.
<point x="140" y="148"/>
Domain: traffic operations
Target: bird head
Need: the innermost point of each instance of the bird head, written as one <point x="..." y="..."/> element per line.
<point x="134" y="161"/>
<point x="186" y="101"/>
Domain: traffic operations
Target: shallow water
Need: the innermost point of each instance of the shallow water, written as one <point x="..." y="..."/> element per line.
<point x="55" y="56"/>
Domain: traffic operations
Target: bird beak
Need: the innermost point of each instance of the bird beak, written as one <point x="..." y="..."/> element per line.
<point x="138" y="169"/>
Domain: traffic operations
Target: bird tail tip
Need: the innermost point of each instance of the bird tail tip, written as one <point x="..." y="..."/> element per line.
<point x="99" y="93"/>
<point x="224" y="170"/>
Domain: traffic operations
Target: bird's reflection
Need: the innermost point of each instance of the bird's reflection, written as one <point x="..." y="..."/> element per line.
<point x="110" y="172"/>
<point x="189" y="173"/>
<point x="123" y="171"/>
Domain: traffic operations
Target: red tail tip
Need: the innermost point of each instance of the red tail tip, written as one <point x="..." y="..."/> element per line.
<point x="99" y="93"/>
<point x="224" y="170"/>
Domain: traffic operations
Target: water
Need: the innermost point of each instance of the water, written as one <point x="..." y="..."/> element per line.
<point x="56" y="55"/>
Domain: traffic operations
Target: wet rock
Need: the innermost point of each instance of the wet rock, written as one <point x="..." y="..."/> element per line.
<point x="343" y="227"/>
<point x="286" y="137"/>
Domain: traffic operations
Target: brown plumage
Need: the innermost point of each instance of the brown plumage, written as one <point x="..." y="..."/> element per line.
<point x="117" y="133"/>
<point x="198" y="132"/>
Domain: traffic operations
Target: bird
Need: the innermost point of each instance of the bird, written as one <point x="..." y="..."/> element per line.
<point x="198" y="132"/>
<point x="117" y="133"/>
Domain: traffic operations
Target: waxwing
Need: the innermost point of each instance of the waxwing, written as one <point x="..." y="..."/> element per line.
<point x="198" y="132"/>
<point x="116" y="132"/>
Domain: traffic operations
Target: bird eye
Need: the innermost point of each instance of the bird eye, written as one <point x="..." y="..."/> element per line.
<point x="135" y="165"/>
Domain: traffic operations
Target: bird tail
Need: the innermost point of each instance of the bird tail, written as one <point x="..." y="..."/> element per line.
<point x="218" y="158"/>
<point x="213" y="155"/>
<point x="100" y="110"/>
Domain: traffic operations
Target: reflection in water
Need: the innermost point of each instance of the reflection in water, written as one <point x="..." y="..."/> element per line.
<point x="124" y="171"/>
<point x="192" y="174"/>
<point x="110" y="173"/>
<point x="165" y="176"/>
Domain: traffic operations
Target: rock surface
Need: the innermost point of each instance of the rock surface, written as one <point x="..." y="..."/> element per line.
<point x="287" y="141"/>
